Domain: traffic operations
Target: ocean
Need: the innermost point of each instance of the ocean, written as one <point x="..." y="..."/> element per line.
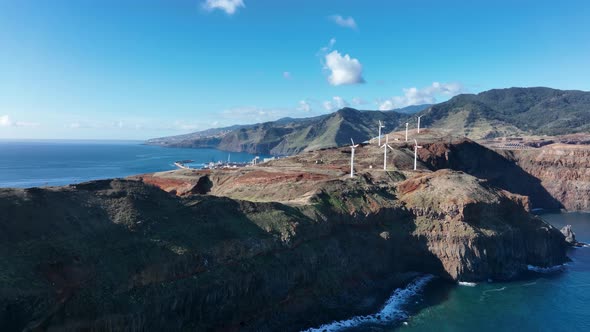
<point x="60" y="162"/>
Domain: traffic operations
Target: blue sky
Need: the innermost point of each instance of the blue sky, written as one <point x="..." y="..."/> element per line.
<point x="147" y="68"/>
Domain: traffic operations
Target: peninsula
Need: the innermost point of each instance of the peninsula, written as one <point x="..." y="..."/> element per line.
<point x="283" y="245"/>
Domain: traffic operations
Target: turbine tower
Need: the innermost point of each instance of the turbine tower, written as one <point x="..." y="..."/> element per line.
<point x="385" y="147"/>
<point x="407" y="131"/>
<point x="352" y="147"/>
<point x="416" y="147"/>
<point x="419" y="123"/>
<point x="380" y="126"/>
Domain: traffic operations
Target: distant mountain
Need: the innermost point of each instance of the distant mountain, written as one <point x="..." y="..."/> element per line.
<point x="208" y="133"/>
<point x="494" y="113"/>
<point x="289" y="136"/>
<point x="513" y="111"/>
<point x="412" y="108"/>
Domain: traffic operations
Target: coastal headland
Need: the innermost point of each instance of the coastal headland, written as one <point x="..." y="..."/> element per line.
<point x="285" y="245"/>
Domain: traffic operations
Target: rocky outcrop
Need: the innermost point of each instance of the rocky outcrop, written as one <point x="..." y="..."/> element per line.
<point x="476" y="232"/>
<point x="563" y="171"/>
<point x="556" y="176"/>
<point x="570" y="236"/>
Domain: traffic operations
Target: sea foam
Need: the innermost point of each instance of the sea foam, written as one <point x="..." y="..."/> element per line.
<point x="549" y="269"/>
<point x="390" y="312"/>
<point x="467" y="283"/>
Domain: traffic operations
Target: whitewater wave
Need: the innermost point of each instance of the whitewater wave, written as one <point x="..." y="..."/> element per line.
<point x="494" y="290"/>
<point x="390" y="312"/>
<point x="485" y="294"/>
<point x="549" y="269"/>
<point x="467" y="283"/>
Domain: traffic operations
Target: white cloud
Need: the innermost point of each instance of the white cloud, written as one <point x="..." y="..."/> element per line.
<point x="356" y="101"/>
<point x="347" y="22"/>
<point x="287" y="75"/>
<point x="136" y="124"/>
<point x="304" y="106"/>
<point x="335" y="104"/>
<point x="343" y="69"/>
<point x="324" y="50"/>
<point x="186" y="126"/>
<point x="252" y="114"/>
<point x="6" y="121"/>
<point x="228" y="6"/>
<point x="426" y="95"/>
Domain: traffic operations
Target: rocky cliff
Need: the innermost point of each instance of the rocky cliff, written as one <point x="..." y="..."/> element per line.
<point x="474" y="231"/>
<point x="563" y="169"/>
<point x="555" y="176"/>
<point x="282" y="246"/>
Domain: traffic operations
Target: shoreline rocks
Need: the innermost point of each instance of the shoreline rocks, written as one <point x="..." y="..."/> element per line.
<point x="570" y="237"/>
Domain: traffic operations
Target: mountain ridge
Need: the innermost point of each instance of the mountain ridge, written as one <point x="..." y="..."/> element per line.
<point x="512" y="111"/>
<point x="288" y="136"/>
<point x="488" y="114"/>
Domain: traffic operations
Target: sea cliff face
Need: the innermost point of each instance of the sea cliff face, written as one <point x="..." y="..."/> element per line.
<point x="283" y="246"/>
<point x="556" y="176"/>
<point x="564" y="171"/>
<point x="477" y="233"/>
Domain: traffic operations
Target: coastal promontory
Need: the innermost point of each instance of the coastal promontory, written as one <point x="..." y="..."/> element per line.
<point x="284" y="245"/>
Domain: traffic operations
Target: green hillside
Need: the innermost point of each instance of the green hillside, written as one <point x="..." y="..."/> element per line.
<point x="290" y="136"/>
<point x="513" y="111"/>
<point x="493" y="113"/>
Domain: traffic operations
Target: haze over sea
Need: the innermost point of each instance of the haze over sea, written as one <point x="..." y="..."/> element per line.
<point x="60" y="162"/>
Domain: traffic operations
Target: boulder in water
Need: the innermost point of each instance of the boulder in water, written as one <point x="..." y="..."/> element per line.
<point x="570" y="236"/>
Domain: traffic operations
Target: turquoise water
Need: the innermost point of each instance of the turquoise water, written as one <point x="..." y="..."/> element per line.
<point x="554" y="300"/>
<point x="41" y="163"/>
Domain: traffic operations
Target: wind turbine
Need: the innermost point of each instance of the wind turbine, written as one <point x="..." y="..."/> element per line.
<point x="416" y="147"/>
<point x="380" y="126"/>
<point x="352" y="147"/>
<point x="419" y="123"/>
<point x="407" y="131"/>
<point x="385" y="147"/>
